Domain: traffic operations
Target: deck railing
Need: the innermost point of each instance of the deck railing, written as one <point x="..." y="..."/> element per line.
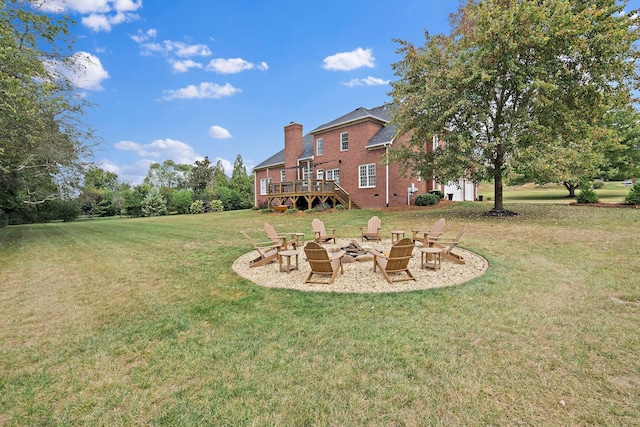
<point x="310" y="189"/>
<point x="306" y="186"/>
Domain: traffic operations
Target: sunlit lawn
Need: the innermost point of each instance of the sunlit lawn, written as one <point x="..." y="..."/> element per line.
<point x="612" y="192"/>
<point x="142" y="321"/>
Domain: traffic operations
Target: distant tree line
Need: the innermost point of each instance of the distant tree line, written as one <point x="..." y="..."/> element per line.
<point x="168" y="189"/>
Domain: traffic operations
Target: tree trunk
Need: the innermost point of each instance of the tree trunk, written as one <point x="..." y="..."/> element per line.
<point x="498" y="207"/>
<point x="571" y="188"/>
<point x="497" y="180"/>
<point x="497" y="188"/>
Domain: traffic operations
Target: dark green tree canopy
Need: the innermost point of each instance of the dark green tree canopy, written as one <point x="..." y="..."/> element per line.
<point x="44" y="145"/>
<point x="514" y="82"/>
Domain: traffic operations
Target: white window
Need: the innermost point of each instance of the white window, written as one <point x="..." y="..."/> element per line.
<point x="264" y="183"/>
<point x="283" y="175"/>
<point x="333" y="175"/>
<point x="320" y="174"/>
<point x="344" y="141"/>
<point x="319" y="147"/>
<point x="306" y="173"/>
<point x="367" y="175"/>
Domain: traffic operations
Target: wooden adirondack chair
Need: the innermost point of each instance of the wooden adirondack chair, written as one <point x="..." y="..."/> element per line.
<point x="320" y="233"/>
<point x="447" y="246"/>
<point x="396" y="262"/>
<point x="428" y="236"/>
<point x="322" y="264"/>
<point x="279" y="238"/>
<point x="372" y="231"/>
<point x="268" y="252"/>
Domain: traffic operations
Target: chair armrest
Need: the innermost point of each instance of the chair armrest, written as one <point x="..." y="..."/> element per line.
<point x="338" y="255"/>
<point x="378" y="254"/>
<point x="267" y="244"/>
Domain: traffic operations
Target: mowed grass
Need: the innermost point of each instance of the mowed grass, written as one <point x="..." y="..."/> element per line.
<point x="611" y="192"/>
<point x="142" y="321"/>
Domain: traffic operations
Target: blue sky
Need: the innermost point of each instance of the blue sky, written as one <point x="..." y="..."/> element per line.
<point x="184" y="79"/>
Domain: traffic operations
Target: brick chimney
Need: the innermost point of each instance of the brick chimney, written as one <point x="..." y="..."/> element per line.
<point x="292" y="148"/>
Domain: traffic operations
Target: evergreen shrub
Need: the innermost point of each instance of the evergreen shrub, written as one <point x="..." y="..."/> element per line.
<point x="633" y="198"/>
<point x="587" y="195"/>
<point x="427" y="199"/>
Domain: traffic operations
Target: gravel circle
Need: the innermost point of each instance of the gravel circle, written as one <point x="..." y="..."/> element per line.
<point x="358" y="276"/>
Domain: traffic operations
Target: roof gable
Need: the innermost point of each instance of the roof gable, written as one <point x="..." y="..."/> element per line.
<point x="380" y="114"/>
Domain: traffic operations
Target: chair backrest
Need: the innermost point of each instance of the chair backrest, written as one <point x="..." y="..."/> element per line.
<point x="318" y="258"/>
<point x="400" y="255"/>
<point x="454" y="242"/>
<point x="373" y="225"/>
<point x="248" y="238"/>
<point x="437" y="229"/>
<point x="318" y="227"/>
<point x="271" y="232"/>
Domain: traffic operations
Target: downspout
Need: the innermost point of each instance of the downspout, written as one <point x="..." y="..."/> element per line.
<point x="386" y="151"/>
<point x="255" y="190"/>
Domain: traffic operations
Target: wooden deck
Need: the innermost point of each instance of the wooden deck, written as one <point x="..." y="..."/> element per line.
<point x="305" y="194"/>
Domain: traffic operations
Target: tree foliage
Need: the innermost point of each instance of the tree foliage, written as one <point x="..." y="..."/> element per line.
<point x="219" y="179"/>
<point x="169" y="174"/>
<point x="43" y="142"/>
<point x="201" y="175"/>
<point x="623" y="159"/>
<point x="153" y="204"/>
<point x="517" y="87"/>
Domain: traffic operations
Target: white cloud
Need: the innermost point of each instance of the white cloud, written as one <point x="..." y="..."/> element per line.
<point x="346" y="61"/>
<point x="234" y="65"/>
<point x="101" y="22"/>
<point x="127" y="5"/>
<point x="91" y="6"/>
<point x="102" y="14"/>
<point x="142" y="37"/>
<point x="148" y="46"/>
<point x="184" y="66"/>
<point x="218" y="132"/>
<point x="83" y="70"/>
<point x="185" y="50"/>
<point x="204" y="90"/>
<point x="161" y="150"/>
<point x="369" y="81"/>
<point x="97" y="22"/>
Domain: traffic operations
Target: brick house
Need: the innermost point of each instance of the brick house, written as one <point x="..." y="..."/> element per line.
<point x="343" y="162"/>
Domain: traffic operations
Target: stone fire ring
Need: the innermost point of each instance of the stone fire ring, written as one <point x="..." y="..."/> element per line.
<point x="359" y="277"/>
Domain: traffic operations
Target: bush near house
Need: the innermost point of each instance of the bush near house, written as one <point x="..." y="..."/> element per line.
<point x="427" y="199"/>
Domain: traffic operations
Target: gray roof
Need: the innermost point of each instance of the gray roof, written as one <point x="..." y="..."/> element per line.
<point x="384" y="136"/>
<point x="278" y="158"/>
<point x="378" y="113"/>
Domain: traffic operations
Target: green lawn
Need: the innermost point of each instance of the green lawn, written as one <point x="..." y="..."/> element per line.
<point x="142" y="321"/>
<point x="612" y="192"/>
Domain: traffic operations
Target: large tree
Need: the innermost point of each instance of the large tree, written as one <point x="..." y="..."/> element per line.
<point x="240" y="180"/>
<point x="169" y="174"/>
<point x="201" y="175"/>
<point x="43" y="142"/>
<point x="514" y="81"/>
